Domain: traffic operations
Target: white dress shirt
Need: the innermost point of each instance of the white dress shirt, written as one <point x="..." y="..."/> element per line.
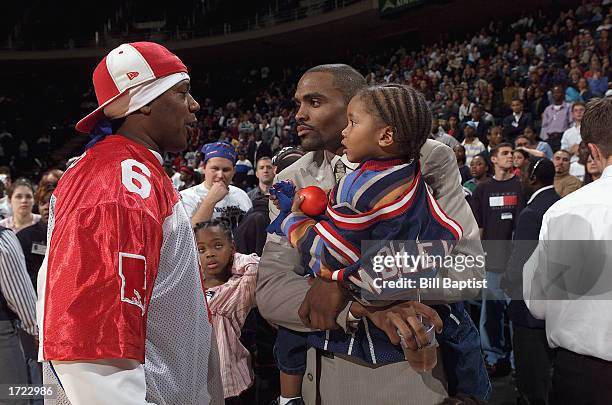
<point x="567" y="281"/>
<point x="571" y="137"/>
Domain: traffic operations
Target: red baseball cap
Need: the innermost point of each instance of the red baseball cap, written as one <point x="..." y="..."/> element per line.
<point x="186" y="169"/>
<point x="125" y="67"/>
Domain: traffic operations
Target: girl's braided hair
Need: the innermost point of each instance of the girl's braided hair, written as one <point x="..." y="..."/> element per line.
<point x="222" y="223"/>
<point x="405" y="110"/>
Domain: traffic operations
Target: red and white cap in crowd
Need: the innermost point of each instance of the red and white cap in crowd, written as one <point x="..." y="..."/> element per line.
<point x="130" y="77"/>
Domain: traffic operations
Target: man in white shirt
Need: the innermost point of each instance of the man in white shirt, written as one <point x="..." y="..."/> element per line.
<point x="567" y="280"/>
<point x="571" y="137"/>
<point x="215" y="197"/>
<point x="471" y="143"/>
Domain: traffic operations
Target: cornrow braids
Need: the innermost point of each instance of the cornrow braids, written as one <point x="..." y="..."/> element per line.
<point x="405" y="110"/>
<point x="222" y="223"/>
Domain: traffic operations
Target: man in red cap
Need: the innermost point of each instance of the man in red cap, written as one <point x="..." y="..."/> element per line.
<point x="121" y="309"/>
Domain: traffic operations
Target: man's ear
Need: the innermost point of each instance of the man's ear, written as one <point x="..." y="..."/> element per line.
<point x="146" y="110"/>
<point x="598" y="157"/>
<point x="385" y="138"/>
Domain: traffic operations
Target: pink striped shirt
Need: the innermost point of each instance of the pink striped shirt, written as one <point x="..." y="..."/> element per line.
<point x="229" y="305"/>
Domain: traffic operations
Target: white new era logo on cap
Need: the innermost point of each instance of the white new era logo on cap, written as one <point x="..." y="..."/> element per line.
<point x="127" y="67"/>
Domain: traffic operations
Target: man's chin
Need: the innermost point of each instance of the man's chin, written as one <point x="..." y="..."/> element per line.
<point x="178" y="148"/>
<point x="311" y="144"/>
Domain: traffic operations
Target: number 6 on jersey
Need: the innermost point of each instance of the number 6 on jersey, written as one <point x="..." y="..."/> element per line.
<point x="135" y="181"/>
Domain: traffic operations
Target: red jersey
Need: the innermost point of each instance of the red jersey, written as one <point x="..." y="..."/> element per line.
<point x="121" y="277"/>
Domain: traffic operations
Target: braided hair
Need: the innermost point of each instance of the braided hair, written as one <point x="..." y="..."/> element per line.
<point x="222" y="223"/>
<point x="405" y="110"/>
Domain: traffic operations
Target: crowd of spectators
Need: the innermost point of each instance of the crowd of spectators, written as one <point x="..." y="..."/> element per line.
<point x="504" y="75"/>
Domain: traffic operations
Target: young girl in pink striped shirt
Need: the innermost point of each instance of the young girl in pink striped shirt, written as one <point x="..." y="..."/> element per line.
<point x="229" y="280"/>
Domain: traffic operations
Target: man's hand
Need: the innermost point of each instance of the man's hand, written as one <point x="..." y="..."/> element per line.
<point x="322" y="304"/>
<point x="217" y="192"/>
<point x="403" y="317"/>
<point x="574" y="149"/>
<point x="532" y="152"/>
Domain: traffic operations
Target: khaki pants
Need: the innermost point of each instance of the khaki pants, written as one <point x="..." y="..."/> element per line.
<point x="345" y="380"/>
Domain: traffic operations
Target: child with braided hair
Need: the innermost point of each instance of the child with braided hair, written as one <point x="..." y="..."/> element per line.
<point x="384" y="199"/>
<point x="229" y="281"/>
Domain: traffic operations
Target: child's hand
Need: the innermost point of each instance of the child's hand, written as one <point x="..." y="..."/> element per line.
<point x="275" y="201"/>
<point x="281" y="194"/>
<point x="297" y="201"/>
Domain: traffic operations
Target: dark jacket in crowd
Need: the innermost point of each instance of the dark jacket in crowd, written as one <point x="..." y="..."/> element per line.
<point x="482" y="130"/>
<point x="524" y="243"/>
<point x="250" y="235"/>
<point x="33" y="240"/>
<point x="510" y="131"/>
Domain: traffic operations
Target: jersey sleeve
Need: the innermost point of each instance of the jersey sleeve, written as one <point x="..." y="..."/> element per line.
<point x="323" y="248"/>
<point x="102" y="266"/>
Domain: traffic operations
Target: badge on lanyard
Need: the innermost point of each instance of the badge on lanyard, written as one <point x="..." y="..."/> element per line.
<point x="39" y="249"/>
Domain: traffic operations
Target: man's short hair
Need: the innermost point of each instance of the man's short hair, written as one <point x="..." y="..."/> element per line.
<point x="542" y="170"/>
<point x="567" y="152"/>
<point x="577" y="104"/>
<point x="348" y="80"/>
<point x="596" y="126"/>
<point x="517" y="99"/>
<point x="496" y="148"/>
<point x="262" y="158"/>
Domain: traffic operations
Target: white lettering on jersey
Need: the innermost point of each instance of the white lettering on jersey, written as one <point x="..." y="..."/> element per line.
<point x="128" y="175"/>
<point x="133" y="273"/>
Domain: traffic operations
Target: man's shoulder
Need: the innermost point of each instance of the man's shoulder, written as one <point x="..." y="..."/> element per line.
<point x="6" y="237"/>
<point x="253" y="193"/>
<point x="432" y="146"/>
<point x="586" y="196"/>
<point x="293" y="170"/>
<point x="238" y="193"/>
<point x="198" y="191"/>
<point x="529" y="214"/>
<point x="568" y="180"/>
<point x="104" y="175"/>
<point x="543" y="201"/>
<point x="114" y="159"/>
<point x="116" y="148"/>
